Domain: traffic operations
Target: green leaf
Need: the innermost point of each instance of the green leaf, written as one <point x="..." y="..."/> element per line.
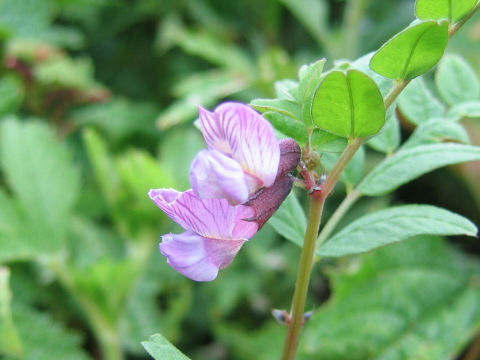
<point x="286" y="89"/>
<point x="388" y="139"/>
<point x="310" y="77"/>
<point x="411" y="163"/>
<point x="452" y="10"/>
<point x="288" y="126"/>
<point x="11" y="95"/>
<point x="456" y="80"/>
<point x="469" y="110"/>
<point x="289" y="220"/>
<point x="323" y="141"/>
<point x="45" y="339"/>
<point x="436" y="131"/>
<point x="348" y="104"/>
<point x="418" y="104"/>
<point x="9" y="340"/>
<point x="160" y="349"/>
<point x="412" y="52"/>
<point x="414" y="300"/>
<point x="392" y="225"/>
<point x="286" y="107"/>
<point x="41" y="174"/>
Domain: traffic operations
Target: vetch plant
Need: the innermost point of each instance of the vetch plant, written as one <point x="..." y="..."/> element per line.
<point x="341" y="110"/>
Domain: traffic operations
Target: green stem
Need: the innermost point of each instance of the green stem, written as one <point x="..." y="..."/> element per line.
<point x="333" y="221"/>
<point x="340" y="165"/>
<point x="394" y="92"/>
<point x="303" y="277"/>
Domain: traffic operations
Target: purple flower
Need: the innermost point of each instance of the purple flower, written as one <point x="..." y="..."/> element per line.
<point x="216" y="230"/>
<point x="242" y="157"/>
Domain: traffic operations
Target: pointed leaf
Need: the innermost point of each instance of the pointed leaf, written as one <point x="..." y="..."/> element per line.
<point x="282" y="106"/>
<point x="412" y="52"/>
<point x="395" y="224"/>
<point x="452" y="10"/>
<point x="469" y="110"/>
<point x="288" y="126"/>
<point x="348" y="105"/>
<point x="409" y="164"/>
<point x="436" y="131"/>
<point x="161" y="349"/>
<point x="310" y="78"/>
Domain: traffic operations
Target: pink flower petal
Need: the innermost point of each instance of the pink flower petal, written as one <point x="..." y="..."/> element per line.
<point x="212" y="218"/>
<point x="197" y="257"/>
<point x="216" y="176"/>
<point x="237" y="130"/>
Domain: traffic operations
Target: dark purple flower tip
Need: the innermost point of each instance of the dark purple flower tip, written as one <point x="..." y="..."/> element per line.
<point x="290" y="155"/>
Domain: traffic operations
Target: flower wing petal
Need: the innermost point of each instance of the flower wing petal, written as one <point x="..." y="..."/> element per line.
<point x="197" y="257"/>
<point x="212" y="218"/>
<point x="214" y="175"/>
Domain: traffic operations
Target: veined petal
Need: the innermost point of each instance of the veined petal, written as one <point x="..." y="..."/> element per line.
<point x="211" y="218"/>
<point x="237" y="130"/>
<point x="197" y="257"/>
<point x="214" y="175"/>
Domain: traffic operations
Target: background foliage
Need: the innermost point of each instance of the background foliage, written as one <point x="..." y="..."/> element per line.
<point x="97" y="101"/>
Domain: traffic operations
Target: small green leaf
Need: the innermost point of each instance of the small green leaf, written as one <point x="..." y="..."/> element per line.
<point x="469" y="110"/>
<point x="456" y="80"/>
<point x="348" y="105"/>
<point x="395" y="224"/>
<point x="286" y="89"/>
<point x="310" y="77"/>
<point x="409" y="164"/>
<point x="412" y="52"/>
<point x="323" y="141"/>
<point x="418" y="104"/>
<point x="288" y="126"/>
<point x="363" y="64"/>
<point x="452" y="10"/>
<point x="161" y="349"/>
<point x="289" y="220"/>
<point x="285" y="107"/>
<point x="388" y="139"/>
<point x="436" y="131"/>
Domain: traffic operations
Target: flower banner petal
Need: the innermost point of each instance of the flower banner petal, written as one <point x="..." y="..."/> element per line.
<point x="236" y="129"/>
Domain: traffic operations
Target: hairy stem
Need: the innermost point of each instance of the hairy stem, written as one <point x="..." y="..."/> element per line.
<point x="303" y="277"/>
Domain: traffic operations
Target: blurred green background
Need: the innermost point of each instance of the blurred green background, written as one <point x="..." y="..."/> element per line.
<point x="97" y="102"/>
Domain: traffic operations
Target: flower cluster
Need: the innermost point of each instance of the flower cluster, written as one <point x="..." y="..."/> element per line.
<point x="238" y="182"/>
